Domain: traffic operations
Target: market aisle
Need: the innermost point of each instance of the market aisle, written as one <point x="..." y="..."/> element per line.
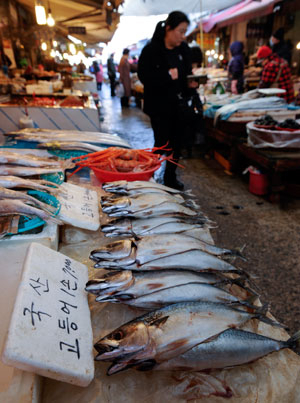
<point x="129" y="123"/>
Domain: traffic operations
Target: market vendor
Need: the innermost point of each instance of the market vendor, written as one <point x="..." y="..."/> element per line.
<point x="276" y="73"/>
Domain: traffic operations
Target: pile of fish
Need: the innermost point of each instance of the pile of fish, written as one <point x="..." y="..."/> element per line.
<point x="16" y="164"/>
<point x="69" y="139"/>
<point x="14" y="200"/>
<point x="198" y="300"/>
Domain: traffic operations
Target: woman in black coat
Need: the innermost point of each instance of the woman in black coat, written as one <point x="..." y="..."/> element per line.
<point x="163" y="67"/>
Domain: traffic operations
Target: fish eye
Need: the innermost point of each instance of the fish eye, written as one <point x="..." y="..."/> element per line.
<point x="118" y="335"/>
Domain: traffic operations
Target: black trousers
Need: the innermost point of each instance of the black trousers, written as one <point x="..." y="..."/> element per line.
<point x="112" y="85"/>
<point x="168" y="127"/>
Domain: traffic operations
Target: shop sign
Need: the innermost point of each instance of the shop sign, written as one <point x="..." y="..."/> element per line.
<point x="77" y="30"/>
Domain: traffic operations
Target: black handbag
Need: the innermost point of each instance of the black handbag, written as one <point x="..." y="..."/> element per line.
<point x="190" y="108"/>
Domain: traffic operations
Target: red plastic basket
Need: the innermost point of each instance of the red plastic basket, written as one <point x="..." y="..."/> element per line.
<point x="108" y="176"/>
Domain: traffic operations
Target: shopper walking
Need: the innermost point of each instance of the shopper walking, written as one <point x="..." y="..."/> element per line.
<point x="124" y="70"/>
<point x="163" y="67"/>
<point x="276" y="73"/>
<point x="111" y="71"/>
<point x="236" y="68"/>
<point x="98" y="71"/>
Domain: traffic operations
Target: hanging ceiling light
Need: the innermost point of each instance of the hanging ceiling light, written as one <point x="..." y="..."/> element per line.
<point x="40" y="13"/>
<point x="50" y="19"/>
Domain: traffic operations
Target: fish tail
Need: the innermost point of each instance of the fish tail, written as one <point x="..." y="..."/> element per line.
<point x="191" y="204"/>
<point x="260" y="314"/>
<point x="294" y="342"/>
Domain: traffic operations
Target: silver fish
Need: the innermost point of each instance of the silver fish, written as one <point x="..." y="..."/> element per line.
<point x="124" y="186"/>
<point x="30" y="160"/>
<point x="150" y="248"/>
<point x="12" y="194"/>
<point x="136" y="284"/>
<point x="168" y="332"/>
<point x="27" y="171"/>
<point x="174" y="209"/>
<point x="176" y="294"/>
<point x="114" y="250"/>
<point x="231" y="347"/>
<point x="153" y="226"/>
<point x="8" y="207"/>
<point x="141" y="202"/>
<point x="10" y="182"/>
<point x="71" y="145"/>
<point x="111" y="282"/>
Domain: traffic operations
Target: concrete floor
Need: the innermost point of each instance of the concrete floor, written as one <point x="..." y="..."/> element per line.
<point x="269" y="232"/>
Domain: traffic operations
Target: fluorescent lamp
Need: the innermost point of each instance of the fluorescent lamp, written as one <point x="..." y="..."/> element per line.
<point x="75" y="40"/>
<point x="40" y="14"/>
<point x="72" y="49"/>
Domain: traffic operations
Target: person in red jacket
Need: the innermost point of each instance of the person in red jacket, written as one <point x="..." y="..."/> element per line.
<point x="276" y="73"/>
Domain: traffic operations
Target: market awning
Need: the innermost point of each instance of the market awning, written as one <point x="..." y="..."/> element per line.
<point x="243" y="11"/>
<point x="99" y="18"/>
<point x="154" y="7"/>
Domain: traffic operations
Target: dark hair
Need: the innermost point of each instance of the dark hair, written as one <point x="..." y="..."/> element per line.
<point x="279" y="34"/>
<point x="96" y="66"/>
<point x="126" y="51"/>
<point x="174" y="19"/>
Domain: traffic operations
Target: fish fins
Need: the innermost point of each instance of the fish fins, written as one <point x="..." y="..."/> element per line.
<point x="159" y="322"/>
<point x="260" y="314"/>
<point x="294" y="342"/>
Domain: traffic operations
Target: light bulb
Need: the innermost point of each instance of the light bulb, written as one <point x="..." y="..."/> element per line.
<point x="207" y="53"/>
<point x="52" y="53"/>
<point x="298" y="45"/>
<point x="216" y="55"/>
<point x="212" y="52"/>
<point x="50" y="20"/>
<point x="55" y="43"/>
<point x="221" y="57"/>
<point x="44" y="46"/>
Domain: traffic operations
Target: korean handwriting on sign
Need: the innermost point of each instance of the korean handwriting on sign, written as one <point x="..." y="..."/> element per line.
<point x="68" y="287"/>
<point x="72" y="349"/>
<point x="68" y="269"/>
<point x="87" y="210"/>
<point x="39" y="286"/>
<point x="34" y="314"/>
<point x="87" y="195"/>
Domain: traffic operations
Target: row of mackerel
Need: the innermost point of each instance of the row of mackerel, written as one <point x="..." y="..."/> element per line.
<point x="148" y="205"/>
<point x="150" y="290"/>
<point x="176" y="251"/>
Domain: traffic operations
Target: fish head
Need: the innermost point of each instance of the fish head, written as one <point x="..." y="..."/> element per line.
<point x="113" y="250"/>
<point x="130" y="338"/>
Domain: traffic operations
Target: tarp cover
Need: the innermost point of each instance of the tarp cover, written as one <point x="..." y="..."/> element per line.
<point x="150" y="7"/>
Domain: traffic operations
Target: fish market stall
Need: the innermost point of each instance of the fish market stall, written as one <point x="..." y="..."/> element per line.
<point x="270" y="379"/>
<point x="71" y="112"/>
<point x="154" y="256"/>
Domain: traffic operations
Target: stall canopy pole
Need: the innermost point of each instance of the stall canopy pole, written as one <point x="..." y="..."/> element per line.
<point x="201" y="32"/>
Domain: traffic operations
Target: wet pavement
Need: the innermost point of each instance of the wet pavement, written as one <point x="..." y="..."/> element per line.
<point x="269" y="233"/>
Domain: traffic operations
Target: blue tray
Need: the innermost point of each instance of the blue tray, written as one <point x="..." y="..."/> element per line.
<point x="56" y="177"/>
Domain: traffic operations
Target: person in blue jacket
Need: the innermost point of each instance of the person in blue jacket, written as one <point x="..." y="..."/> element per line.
<point x="236" y="68"/>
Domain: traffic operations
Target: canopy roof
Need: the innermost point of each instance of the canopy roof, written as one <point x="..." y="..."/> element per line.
<point x="96" y="16"/>
<point x="245" y="10"/>
<point x="154" y="7"/>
